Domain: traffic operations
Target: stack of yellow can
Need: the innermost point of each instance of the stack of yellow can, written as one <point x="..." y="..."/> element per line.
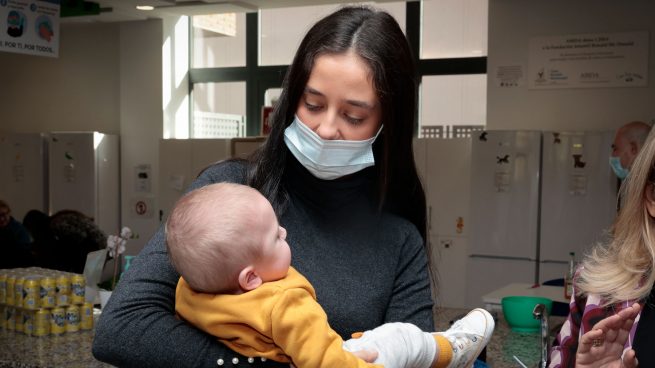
<point x="41" y="302"/>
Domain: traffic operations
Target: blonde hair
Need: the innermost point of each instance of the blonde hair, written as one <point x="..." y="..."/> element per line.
<point x="623" y="268"/>
<point x="208" y="236"/>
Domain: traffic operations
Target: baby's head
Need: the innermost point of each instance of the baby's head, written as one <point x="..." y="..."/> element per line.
<point x="225" y="238"/>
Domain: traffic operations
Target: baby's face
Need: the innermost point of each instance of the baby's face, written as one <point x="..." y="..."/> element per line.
<point x="276" y="258"/>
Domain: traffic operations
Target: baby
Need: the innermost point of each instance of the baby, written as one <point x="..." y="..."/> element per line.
<point x="237" y="284"/>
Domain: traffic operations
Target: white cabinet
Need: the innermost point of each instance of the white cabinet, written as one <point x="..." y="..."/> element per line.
<point x="444" y="168"/>
<point x="509" y="206"/>
<point x="578" y="197"/>
<point x="83" y="172"/>
<point x="180" y="162"/>
<point x="22" y="172"/>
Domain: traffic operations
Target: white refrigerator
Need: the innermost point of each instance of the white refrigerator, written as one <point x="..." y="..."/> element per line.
<point x="23" y="168"/>
<point x="84" y="176"/>
<point x="578" y="197"/>
<point x="504" y="208"/>
<point x="535" y="197"/>
<point x="444" y="166"/>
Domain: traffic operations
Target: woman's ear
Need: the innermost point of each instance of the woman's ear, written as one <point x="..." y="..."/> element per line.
<point x="249" y="279"/>
<point x="650" y="199"/>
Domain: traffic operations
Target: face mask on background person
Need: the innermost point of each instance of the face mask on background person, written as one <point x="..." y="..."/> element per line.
<point x="619" y="170"/>
<point x="328" y="159"/>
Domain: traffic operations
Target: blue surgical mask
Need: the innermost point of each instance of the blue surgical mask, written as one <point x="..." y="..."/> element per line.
<point x="328" y="159"/>
<point x="619" y="170"/>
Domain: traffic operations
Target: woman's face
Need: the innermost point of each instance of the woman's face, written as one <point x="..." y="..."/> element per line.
<point x="650" y="199"/>
<point x="339" y="101"/>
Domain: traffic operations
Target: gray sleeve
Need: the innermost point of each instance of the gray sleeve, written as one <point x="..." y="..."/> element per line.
<point x="412" y="300"/>
<point x="138" y="327"/>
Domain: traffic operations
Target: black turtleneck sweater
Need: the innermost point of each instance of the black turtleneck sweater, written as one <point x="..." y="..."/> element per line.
<point x="367" y="268"/>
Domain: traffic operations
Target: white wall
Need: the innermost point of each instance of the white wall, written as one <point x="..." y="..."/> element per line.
<point x="77" y="91"/>
<point x="511" y="25"/>
<point x="141" y="119"/>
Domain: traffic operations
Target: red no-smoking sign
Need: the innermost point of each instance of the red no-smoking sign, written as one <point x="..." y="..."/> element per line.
<point x="141" y="208"/>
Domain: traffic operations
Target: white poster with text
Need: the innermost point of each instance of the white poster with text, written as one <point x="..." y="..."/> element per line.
<point x="595" y="60"/>
<point x="30" y="27"/>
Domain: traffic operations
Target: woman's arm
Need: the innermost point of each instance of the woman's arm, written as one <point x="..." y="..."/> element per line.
<point x="411" y="301"/>
<point x="138" y="327"/>
<point x="562" y="353"/>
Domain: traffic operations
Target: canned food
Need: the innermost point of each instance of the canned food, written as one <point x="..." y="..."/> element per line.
<point x="47" y="292"/>
<point x="63" y="288"/>
<point x="10" y="314"/>
<point x="28" y="322"/>
<point x="3" y="319"/>
<point x="3" y="286"/>
<point x="18" y="318"/>
<point x="41" y="323"/>
<point x="72" y="318"/>
<point x="9" y="294"/>
<point x="86" y="316"/>
<point x="78" y="284"/>
<point x="18" y="290"/>
<point x="58" y="321"/>
<point x="31" y="292"/>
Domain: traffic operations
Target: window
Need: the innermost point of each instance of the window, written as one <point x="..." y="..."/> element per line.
<point x="219" y="40"/>
<point x="452" y="66"/>
<point x="282" y="29"/>
<point x="452" y="102"/>
<point x="219" y="110"/>
<point x="454" y="28"/>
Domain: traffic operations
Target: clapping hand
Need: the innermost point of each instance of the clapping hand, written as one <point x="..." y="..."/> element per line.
<point x="602" y="347"/>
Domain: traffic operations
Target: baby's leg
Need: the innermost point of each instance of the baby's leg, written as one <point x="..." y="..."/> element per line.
<point x="403" y="345"/>
<point x="466" y="338"/>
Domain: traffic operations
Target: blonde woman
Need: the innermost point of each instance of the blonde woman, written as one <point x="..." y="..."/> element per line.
<point x="612" y="317"/>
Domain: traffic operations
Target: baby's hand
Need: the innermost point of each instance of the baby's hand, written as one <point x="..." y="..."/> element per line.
<point x="399" y="345"/>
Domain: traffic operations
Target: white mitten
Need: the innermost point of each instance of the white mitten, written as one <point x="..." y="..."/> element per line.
<point x="399" y="345"/>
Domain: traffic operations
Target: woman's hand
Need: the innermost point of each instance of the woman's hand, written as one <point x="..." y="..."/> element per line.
<point x="603" y="345"/>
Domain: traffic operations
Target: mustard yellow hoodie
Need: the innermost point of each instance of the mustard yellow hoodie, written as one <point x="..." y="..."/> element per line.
<point x="279" y="320"/>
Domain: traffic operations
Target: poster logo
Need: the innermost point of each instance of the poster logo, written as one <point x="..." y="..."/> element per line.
<point x="15" y="23"/>
<point x="30" y="27"/>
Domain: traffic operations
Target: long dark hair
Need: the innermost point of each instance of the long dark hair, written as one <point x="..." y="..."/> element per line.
<point x="377" y="38"/>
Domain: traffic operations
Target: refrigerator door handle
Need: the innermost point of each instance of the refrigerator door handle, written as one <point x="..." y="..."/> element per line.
<point x="488" y="256"/>
<point x="554" y="261"/>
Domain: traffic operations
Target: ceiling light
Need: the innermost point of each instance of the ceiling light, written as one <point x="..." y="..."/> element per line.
<point x="145" y="7"/>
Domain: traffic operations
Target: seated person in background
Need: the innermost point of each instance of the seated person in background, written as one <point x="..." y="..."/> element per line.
<point x="14" y="240"/>
<point x="37" y="224"/>
<point x="612" y="315"/>
<point x="75" y="235"/>
<point x="237" y="284"/>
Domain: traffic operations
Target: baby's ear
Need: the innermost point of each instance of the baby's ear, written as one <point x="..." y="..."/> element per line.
<point x="249" y="279"/>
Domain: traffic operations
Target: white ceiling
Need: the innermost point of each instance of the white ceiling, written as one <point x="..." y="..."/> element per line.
<point x="125" y="10"/>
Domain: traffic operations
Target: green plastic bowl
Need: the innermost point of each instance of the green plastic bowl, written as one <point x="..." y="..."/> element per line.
<point x="518" y="312"/>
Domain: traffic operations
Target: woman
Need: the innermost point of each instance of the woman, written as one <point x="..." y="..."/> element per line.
<point x="612" y="309"/>
<point x="338" y="168"/>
